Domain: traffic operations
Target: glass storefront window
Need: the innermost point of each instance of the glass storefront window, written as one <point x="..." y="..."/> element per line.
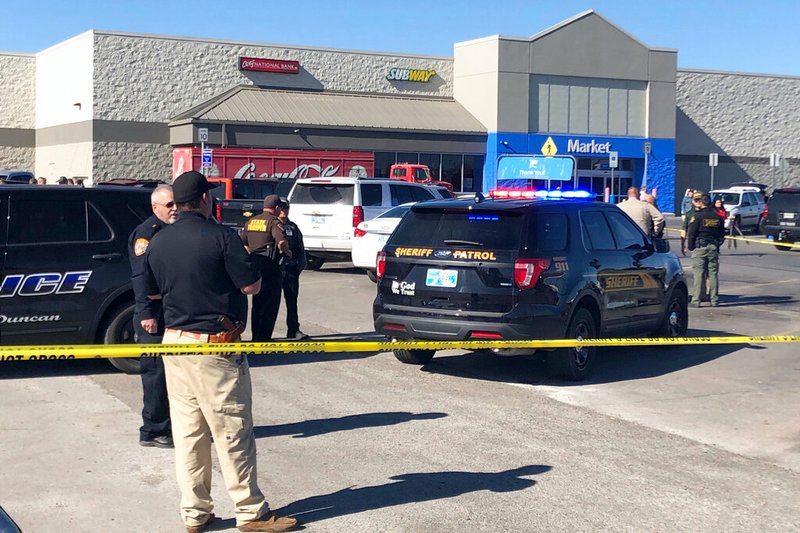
<point x="473" y="173"/>
<point x="451" y="170"/>
<point x="383" y="160"/>
<point x="434" y="162"/>
<point x="407" y="157"/>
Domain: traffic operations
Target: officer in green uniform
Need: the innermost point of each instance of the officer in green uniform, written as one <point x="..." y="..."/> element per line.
<point x="705" y="235"/>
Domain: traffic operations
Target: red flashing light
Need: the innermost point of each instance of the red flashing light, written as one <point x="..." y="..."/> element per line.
<point x="527" y="271"/>
<point x="511" y="194"/>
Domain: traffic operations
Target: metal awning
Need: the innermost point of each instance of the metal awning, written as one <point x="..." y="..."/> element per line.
<point x="328" y="109"/>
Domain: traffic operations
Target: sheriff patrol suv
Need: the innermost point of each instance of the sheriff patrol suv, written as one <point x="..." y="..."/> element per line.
<point x="65" y="271"/>
<point x="492" y="269"/>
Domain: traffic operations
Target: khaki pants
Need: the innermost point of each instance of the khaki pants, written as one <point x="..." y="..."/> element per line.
<point x="212" y="395"/>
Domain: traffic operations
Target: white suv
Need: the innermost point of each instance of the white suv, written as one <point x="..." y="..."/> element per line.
<point x="327" y="210"/>
<point x="745" y="205"/>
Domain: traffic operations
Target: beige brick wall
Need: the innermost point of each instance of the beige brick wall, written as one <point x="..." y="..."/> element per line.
<point x="17" y="91"/>
<point x="147" y="78"/>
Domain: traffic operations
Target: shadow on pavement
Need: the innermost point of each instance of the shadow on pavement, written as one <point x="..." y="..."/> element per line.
<point x="736" y="300"/>
<point x="611" y="364"/>
<point x="311" y="428"/>
<point x="410" y="488"/>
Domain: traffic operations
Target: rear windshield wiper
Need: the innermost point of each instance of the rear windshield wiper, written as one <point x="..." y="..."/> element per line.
<point x="451" y="242"/>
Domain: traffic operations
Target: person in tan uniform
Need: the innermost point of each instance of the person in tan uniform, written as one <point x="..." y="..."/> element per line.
<point x="264" y="238"/>
<point x="202" y="274"/>
<point x="646" y="215"/>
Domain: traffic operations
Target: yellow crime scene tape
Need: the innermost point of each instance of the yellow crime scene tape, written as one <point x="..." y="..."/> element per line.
<point x="105" y="351"/>
<point x="756" y="241"/>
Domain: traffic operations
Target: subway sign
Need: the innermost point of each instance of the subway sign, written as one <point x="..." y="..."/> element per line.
<point x="410" y="74"/>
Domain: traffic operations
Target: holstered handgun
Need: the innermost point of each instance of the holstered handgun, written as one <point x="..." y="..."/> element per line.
<point x="232" y="331"/>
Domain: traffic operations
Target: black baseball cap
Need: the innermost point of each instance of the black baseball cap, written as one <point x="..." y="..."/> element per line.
<point x="189" y="186"/>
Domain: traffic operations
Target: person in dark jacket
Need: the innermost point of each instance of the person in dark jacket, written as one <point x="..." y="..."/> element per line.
<point x="264" y="239"/>
<point x="155" y="430"/>
<point x="291" y="268"/>
<point x="705" y="235"/>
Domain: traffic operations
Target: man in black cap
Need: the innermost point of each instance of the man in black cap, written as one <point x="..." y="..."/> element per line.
<point x="148" y="322"/>
<point x="705" y="235"/>
<point x="202" y="274"/>
<point x="264" y="238"/>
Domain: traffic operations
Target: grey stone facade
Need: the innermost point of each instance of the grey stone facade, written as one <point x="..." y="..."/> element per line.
<point x="131" y="161"/>
<point x="17" y="111"/>
<point x="742" y="117"/>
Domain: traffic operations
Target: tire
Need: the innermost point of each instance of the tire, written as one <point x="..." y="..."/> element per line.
<point x="119" y="330"/>
<point x="675" y="323"/>
<point x="414" y="357"/>
<point x="313" y="262"/>
<point x="785" y="248"/>
<point x="373" y="277"/>
<point x="574" y="364"/>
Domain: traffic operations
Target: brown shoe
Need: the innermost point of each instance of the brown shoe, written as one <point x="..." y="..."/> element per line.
<point x="270" y="522"/>
<point x="201" y="527"/>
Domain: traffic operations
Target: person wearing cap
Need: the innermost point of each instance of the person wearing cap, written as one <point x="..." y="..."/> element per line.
<point x="291" y="268"/>
<point x="148" y="323"/>
<point x="264" y="238"/>
<point x="704" y="237"/>
<point x="202" y="274"/>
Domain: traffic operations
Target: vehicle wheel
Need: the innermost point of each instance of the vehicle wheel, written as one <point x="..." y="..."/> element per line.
<point x="313" y="262"/>
<point x="785" y="248"/>
<point x="573" y="364"/>
<point x="676" y="318"/>
<point x="372" y="276"/>
<point x="414" y="357"/>
<point x="119" y="330"/>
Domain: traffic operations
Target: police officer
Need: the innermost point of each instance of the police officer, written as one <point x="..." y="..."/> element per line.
<point x="148" y="323"/>
<point x="264" y="238"/>
<point x="291" y="269"/>
<point x="705" y="235"/>
<point x="202" y="273"/>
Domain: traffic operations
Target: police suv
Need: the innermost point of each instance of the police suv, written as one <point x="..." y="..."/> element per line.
<point x="526" y="268"/>
<point x="65" y="270"/>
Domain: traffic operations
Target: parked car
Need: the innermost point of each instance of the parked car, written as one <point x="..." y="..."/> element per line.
<point x="781" y="222"/>
<point x="370" y="237"/>
<point x="329" y="209"/>
<point x="526" y="269"/>
<point x="66" y="278"/>
<point x="16" y="176"/>
<point x="744" y="205"/>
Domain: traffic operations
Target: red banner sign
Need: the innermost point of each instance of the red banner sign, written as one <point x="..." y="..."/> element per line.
<point x="257" y="64"/>
<point x="265" y="163"/>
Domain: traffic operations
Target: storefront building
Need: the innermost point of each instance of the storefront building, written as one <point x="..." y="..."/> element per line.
<point x="106" y="105"/>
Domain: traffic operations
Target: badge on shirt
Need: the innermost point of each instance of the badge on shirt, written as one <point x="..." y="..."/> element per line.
<point x="140" y="246"/>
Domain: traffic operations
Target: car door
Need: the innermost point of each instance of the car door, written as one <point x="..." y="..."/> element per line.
<point x="55" y="273"/>
<point x="646" y="286"/>
<point x="609" y="270"/>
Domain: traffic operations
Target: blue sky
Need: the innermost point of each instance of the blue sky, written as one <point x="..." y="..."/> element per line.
<point x="730" y="35"/>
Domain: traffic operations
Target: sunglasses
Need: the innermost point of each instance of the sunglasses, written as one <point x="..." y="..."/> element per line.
<point x="168" y="205"/>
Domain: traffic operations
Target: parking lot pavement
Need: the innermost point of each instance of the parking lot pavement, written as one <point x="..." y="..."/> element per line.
<point x="699" y="438"/>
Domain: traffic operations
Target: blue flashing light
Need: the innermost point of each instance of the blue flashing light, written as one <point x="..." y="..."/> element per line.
<point x="491" y="218"/>
<point x="577" y="194"/>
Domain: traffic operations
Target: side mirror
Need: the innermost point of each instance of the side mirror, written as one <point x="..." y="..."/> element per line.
<point x="661" y="245"/>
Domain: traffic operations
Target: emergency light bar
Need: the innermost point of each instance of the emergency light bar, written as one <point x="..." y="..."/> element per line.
<point x="517" y="194"/>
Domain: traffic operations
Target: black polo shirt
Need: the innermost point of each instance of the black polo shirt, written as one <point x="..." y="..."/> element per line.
<point x="138" y="242"/>
<point x="199" y="268"/>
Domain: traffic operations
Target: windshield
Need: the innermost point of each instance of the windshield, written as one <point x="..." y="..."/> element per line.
<point x="728" y="198"/>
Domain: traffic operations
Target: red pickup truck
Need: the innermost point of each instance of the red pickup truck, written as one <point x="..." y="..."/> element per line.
<point x="417" y="174"/>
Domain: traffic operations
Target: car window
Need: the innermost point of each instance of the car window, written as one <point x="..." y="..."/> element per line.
<point x="420" y="174"/>
<point x="784" y="202"/>
<point x="401" y="194"/>
<point x="547" y="232"/>
<point x="243" y="190"/>
<point x="47" y="221"/>
<point x="219" y="191"/>
<point x="371" y="194"/>
<point x="420" y="194"/>
<point x="263" y="189"/>
<point x="457" y="229"/>
<point x="97" y="228"/>
<point x="596" y="233"/>
<point x="323" y="193"/>
<point x="729" y="198"/>
<point x="395" y="212"/>
<point x="399" y="172"/>
<point x="626" y="233"/>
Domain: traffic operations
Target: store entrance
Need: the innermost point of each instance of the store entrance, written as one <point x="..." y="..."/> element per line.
<point x="594" y="176"/>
